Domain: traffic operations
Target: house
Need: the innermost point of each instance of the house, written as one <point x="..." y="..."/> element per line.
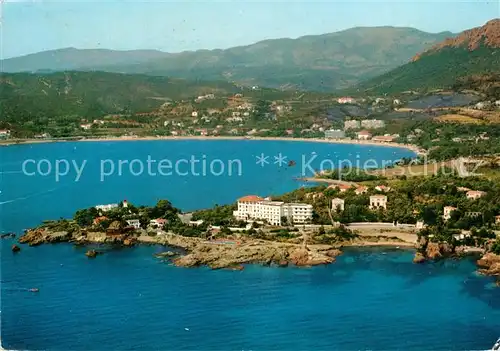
<point x="463" y="189"/>
<point x="135" y="223"/>
<point x="461" y="236"/>
<point x="364" y="135"/>
<point x="346" y="100"/>
<point x="341" y="187"/>
<point x="289" y="131"/>
<point x="203" y="132"/>
<point x="174" y="133"/>
<point x="334" y="134"/>
<point x="352" y="124"/>
<point x="474" y="194"/>
<point x="254" y="207"/>
<point x="378" y="201"/>
<point x="124" y="204"/>
<point x="158" y="223"/>
<point x="383" y="138"/>
<point x="4" y="133"/>
<point x="105" y="208"/>
<point x="420" y="225"/>
<point x="196" y="223"/>
<point x="447" y="210"/>
<point x="497" y="220"/>
<point x="383" y="188"/>
<point x="194" y="114"/>
<point x="236" y="114"/>
<point x="361" y="190"/>
<point x="338" y="204"/>
<point x="396" y="102"/>
<point x="86" y="126"/>
<point x="40" y="136"/>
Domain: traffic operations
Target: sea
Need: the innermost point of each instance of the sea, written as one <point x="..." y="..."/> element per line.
<point x="126" y="299"/>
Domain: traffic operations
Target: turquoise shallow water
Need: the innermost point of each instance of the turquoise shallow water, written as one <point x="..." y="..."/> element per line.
<point x="373" y="299"/>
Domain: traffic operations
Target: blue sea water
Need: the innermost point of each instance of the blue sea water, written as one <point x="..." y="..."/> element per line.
<point x="370" y="299"/>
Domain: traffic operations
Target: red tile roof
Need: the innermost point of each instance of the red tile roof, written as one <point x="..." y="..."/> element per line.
<point x="250" y="198"/>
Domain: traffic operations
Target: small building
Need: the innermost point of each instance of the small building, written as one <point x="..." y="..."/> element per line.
<point x="378" y="201"/>
<point x="364" y="135"/>
<point x="194" y="114"/>
<point x="383" y="188"/>
<point x="346" y="100"/>
<point x="497" y="219"/>
<point x="383" y="138"/>
<point x="196" y="223"/>
<point x="447" y="211"/>
<point x="158" y="223"/>
<point x="341" y="187"/>
<point x="4" y="133"/>
<point x="361" y="190"/>
<point x="106" y="208"/>
<point x="334" y="134"/>
<point x="474" y="194"/>
<point x="338" y="205"/>
<point x="420" y="225"/>
<point x="86" y="126"/>
<point x="135" y="223"/>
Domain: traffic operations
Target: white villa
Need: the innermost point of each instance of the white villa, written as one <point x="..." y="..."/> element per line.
<point x="377" y="201"/>
<point x="134" y="223"/>
<point x="105" y="208"/>
<point x="474" y="195"/>
<point x="254" y="207"/>
<point x="338" y="204"/>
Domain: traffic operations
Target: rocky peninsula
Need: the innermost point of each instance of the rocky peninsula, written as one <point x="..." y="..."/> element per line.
<point x="229" y="253"/>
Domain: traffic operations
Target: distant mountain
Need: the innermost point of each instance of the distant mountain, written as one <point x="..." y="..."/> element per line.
<point x="75" y="59"/>
<point x="24" y="96"/>
<point x="316" y="62"/>
<point x="473" y="52"/>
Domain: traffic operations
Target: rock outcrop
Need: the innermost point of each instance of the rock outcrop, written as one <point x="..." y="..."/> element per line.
<point x="419" y="258"/>
<point x="427" y="250"/>
<point x="91" y="253"/>
<point x="15" y="248"/>
<point x="489" y="264"/>
<point x="487" y="35"/>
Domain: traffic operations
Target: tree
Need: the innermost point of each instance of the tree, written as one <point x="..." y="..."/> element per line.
<point x="85" y="217"/>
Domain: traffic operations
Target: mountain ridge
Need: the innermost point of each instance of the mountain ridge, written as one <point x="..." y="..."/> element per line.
<point x="313" y="62"/>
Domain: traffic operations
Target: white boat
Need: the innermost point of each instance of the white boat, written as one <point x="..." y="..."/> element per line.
<point x="496" y="347"/>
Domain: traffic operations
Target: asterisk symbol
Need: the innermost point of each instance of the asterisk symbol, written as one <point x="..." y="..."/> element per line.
<point x="262" y="160"/>
<point x="280" y="160"/>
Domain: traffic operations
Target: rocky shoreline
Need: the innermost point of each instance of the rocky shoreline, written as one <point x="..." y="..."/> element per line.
<point x="198" y="252"/>
<point x="233" y="252"/>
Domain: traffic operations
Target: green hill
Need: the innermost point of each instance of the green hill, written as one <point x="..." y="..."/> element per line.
<point x="25" y="96"/>
<point x="473" y="52"/>
<point x="437" y="71"/>
<point x="315" y="62"/>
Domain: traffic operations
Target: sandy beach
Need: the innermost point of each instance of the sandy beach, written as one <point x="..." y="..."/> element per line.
<point x="413" y="148"/>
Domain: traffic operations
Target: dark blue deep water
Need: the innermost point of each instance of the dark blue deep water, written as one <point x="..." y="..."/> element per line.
<point x="370" y="299"/>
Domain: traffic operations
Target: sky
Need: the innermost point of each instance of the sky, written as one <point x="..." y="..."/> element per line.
<point x="174" y="26"/>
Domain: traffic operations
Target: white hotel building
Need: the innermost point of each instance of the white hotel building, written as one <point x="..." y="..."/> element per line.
<point x="256" y="208"/>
